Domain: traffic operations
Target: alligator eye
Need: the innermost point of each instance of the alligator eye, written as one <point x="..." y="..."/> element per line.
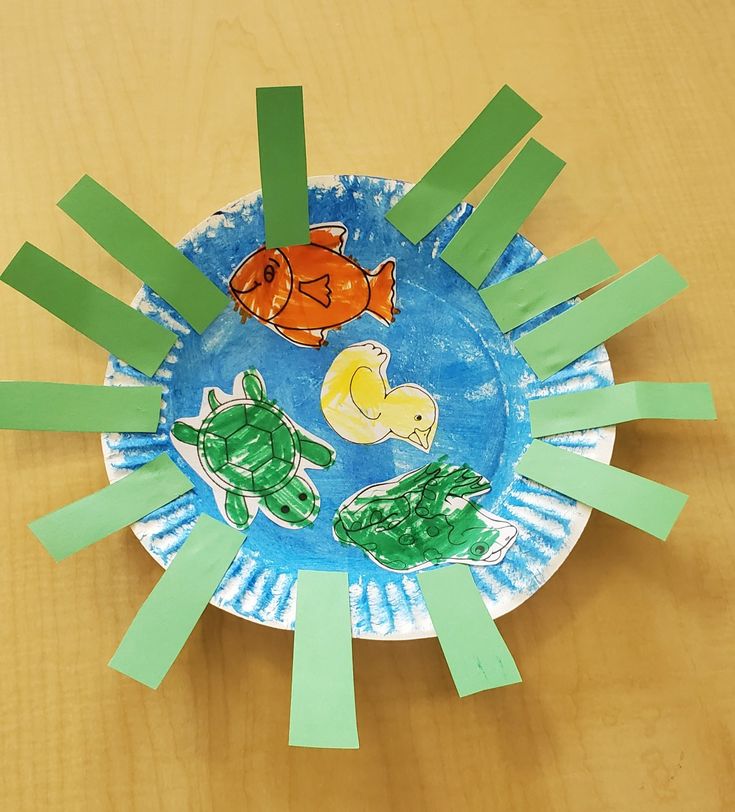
<point x="479" y="549"/>
<point x="269" y="273"/>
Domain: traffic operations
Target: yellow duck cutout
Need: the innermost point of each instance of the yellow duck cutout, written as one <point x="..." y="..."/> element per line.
<point x="360" y="405"/>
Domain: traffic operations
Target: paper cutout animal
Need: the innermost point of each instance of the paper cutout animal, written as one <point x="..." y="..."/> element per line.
<point x="359" y="404"/>
<point x="424" y="518"/>
<point x="303" y="291"/>
<point x="253" y="455"/>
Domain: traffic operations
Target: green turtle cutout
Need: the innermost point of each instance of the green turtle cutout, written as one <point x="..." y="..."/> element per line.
<point x="253" y="455"/>
<point x="424" y="518"/>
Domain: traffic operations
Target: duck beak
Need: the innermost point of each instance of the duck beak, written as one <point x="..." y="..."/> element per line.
<point x="421" y="438"/>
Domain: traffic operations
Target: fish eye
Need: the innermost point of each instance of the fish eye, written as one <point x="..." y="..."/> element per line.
<point x="418" y="418"/>
<point x="269" y="273"/>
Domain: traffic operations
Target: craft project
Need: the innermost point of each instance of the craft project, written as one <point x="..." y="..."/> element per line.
<point x="304" y="291"/>
<point x="359" y="404"/>
<point x="373" y="564"/>
<point x="253" y="455"/>
<point x="424" y="518"/>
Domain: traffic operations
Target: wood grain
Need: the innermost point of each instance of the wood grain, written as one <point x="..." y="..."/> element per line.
<point x="627" y="653"/>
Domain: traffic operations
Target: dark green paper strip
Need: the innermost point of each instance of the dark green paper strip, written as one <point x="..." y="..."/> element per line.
<point x="41" y="406"/>
<point x="168" y="615"/>
<point x="524" y="295"/>
<point x="491" y="136"/>
<point x="133" y="243"/>
<point x="641" y="502"/>
<point x="483" y="237"/>
<point x="282" y="148"/>
<point x="473" y="648"/>
<point x="118" y="328"/>
<point x="566" y="337"/>
<point x="637" y="400"/>
<point x="322" y="685"/>
<point x="81" y="523"/>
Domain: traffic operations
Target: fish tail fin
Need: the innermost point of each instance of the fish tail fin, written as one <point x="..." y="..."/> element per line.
<point x="382" y="284"/>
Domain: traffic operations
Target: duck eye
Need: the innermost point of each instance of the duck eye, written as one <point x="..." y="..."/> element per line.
<point x="418" y="418"/>
<point x="269" y="273"/>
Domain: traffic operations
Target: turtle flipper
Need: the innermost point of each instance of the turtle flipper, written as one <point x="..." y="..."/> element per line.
<point x="253" y="385"/>
<point x="319" y="453"/>
<point x="185" y="433"/>
<point x="295" y="505"/>
<point x="237" y="511"/>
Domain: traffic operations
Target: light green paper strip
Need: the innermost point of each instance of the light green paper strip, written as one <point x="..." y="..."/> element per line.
<point x="637" y="400"/>
<point x="42" y="406"/>
<point x="168" y="616"/>
<point x="566" y="337"/>
<point x="492" y="135"/>
<point x="473" y="648"/>
<point x="322" y="685"/>
<point x="641" y="502"/>
<point x="483" y="237"/>
<point x="124" y="332"/>
<point x="133" y="243"/>
<point x="282" y="148"/>
<point x="524" y="295"/>
<point x="81" y="523"/>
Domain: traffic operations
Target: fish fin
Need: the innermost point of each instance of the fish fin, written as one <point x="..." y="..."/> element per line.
<point x="382" y="285"/>
<point x="304" y="338"/>
<point x="329" y="235"/>
<point x="318" y="290"/>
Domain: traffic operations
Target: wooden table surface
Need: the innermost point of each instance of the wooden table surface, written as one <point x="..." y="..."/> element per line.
<point x="628" y="653"/>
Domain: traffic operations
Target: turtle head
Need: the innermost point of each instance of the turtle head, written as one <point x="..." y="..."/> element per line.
<point x="294" y="505"/>
<point x="253" y="385"/>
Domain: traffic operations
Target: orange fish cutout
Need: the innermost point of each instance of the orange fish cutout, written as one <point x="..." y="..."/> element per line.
<point x="303" y="291"/>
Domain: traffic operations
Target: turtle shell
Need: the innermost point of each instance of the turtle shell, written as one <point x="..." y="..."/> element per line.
<point x="249" y="447"/>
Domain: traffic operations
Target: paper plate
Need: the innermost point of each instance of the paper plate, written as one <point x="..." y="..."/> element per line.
<point x="443" y="340"/>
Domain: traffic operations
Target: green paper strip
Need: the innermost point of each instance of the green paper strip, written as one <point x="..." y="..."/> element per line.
<point x="483" y="237"/>
<point x="41" y="406"/>
<point x="81" y="523"/>
<point x="638" y="400"/>
<point x="124" y="332"/>
<point x="168" y="616"/>
<point x="322" y="687"/>
<point x="566" y="337"/>
<point x="282" y="148"/>
<point x="641" y="502"/>
<point x="492" y="135"/>
<point x="133" y="243"/>
<point x="524" y="295"/>
<point x="473" y="648"/>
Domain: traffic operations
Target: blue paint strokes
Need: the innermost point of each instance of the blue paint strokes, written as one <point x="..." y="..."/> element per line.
<point x="444" y="339"/>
